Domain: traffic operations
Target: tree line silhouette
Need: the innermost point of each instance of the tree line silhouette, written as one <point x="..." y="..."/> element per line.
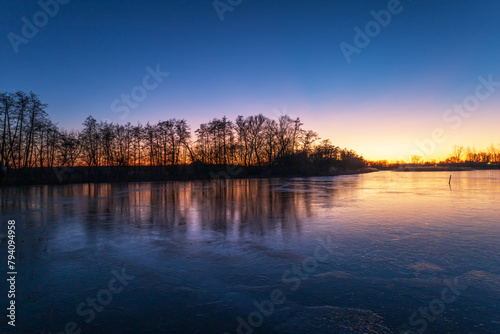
<point x="28" y="138"/>
<point x="471" y="154"/>
<point x="459" y="155"/>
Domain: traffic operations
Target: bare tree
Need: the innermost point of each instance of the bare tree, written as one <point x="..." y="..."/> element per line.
<point x="308" y="140"/>
<point x="29" y="138"/>
<point x="457" y="153"/>
<point x="89" y="139"/>
<point x="415" y="159"/>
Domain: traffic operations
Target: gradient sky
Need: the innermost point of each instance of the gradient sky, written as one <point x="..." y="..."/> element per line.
<point x="269" y="57"/>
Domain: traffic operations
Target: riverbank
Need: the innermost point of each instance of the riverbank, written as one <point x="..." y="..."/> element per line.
<point x="75" y="175"/>
<point x="455" y="167"/>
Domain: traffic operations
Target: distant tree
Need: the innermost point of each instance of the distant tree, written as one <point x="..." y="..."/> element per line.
<point x="182" y="138"/>
<point x="243" y="145"/>
<point x="137" y="139"/>
<point x="28" y="138"/>
<point x="325" y="150"/>
<point x="494" y="154"/>
<point x="471" y="154"/>
<point x="90" y="140"/>
<point x="415" y="159"/>
<point x="69" y="149"/>
<point x="456" y="155"/>
<point x="24" y="130"/>
<point x="308" y="139"/>
<point x="270" y="140"/>
<point x="7" y="103"/>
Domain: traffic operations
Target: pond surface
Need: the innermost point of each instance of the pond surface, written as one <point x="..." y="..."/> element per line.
<point x="386" y="252"/>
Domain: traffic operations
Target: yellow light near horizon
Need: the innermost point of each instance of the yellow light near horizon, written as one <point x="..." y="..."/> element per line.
<point x="385" y="153"/>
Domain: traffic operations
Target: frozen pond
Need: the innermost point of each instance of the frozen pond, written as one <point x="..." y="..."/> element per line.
<point x="386" y="252"/>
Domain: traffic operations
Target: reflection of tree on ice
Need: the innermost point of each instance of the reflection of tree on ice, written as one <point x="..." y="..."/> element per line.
<point x="3" y="171"/>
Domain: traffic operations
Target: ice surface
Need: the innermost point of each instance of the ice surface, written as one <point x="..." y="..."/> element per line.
<point x="203" y="253"/>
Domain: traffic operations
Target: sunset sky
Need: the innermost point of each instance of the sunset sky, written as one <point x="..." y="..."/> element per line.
<point x="269" y="57"/>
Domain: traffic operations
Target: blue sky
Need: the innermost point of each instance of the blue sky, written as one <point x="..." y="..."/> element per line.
<point x="266" y="57"/>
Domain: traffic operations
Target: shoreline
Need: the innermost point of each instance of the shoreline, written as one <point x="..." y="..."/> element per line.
<point x="95" y="175"/>
<point x="112" y="174"/>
